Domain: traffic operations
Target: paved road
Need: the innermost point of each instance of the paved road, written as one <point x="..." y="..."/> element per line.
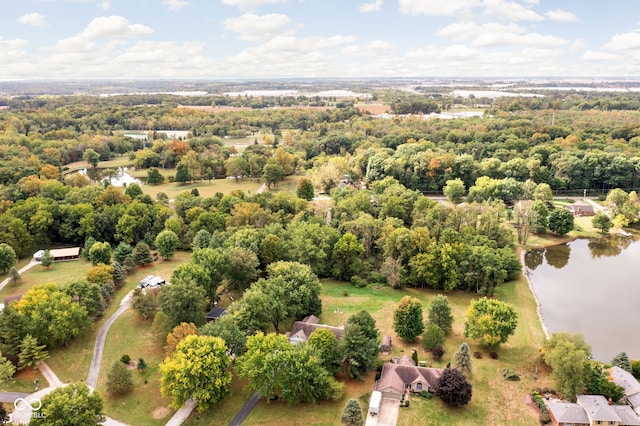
<point x="11" y="396"/>
<point x="21" y="271"/>
<point x="98" y="349"/>
<point x="245" y="410"/>
<point x="183" y="413"/>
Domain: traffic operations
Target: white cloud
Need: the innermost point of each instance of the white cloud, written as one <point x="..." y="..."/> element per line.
<point x="561" y="16"/>
<point x="590" y="55"/>
<point x="506" y="38"/>
<point x="626" y="41"/>
<point x="371" y="7"/>
<point x="249" y="5"/>
<point x="34" y="19"/>
<point x="437" y="7"/>
<point x="74" y="44"/>
<point x="105" y="5"/>
<point x="467" y="29"/>
<point x="374" y="47"/>
<point x="510" y="10"/>
<point x="251" y="27"/>
<point x="175" y="5"/>
<point x="113" y="26"/>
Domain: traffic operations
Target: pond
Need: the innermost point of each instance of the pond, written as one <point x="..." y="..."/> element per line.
<point x="116" y="177"/>
<point x="591" y="286"/>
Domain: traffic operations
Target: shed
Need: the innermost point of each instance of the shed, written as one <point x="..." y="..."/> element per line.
<point x="385" y="345"/>
<point x="216" y="313"/>
<point x="71" y="253"/>
<point x="579" y="209"/>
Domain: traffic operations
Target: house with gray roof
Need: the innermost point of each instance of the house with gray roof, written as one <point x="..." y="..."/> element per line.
<point x="403" y="376"/>
<point x="591" y="410"/>
<point x="301" y="330"/>
<point x="630" y="385"/>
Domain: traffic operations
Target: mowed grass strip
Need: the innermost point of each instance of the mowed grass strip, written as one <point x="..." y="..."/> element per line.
<point x="144" y="404"/>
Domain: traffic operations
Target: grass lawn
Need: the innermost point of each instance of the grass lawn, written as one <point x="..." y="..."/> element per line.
<point x="289" y="184"/>
<point x="495" y="401"/>
<point x="71" y="363"/>
<point x="22" y="381"/>
<point x="120" y="161"/>
<point x="205" y="188"/>
<point x="144" y="405"/>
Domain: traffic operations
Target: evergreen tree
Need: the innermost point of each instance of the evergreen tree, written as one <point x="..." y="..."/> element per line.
<point x="201" y="240"/>
<point x="122" y="251"/>
<point x="182" y="173"/>
<point x="142" y="365"/>
<point x="119" y="274"/>
<point x="462" y="358"/>
<point x="432" y="337"/>
<point x="14" y="276"/>
<point x="358" y="351"/>
<point x="142" y="254"/>
<point x="46" y="260"/>
<point x="440" y="313"/>
<point x="622" y="360"/>
<point x="31" y="353"/>
<point x="154" y="177"/>
<point x="352" y="413"/>
<point x="305" y="189"/>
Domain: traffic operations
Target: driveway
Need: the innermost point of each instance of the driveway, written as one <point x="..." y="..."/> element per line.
<point x="388" y="416"/>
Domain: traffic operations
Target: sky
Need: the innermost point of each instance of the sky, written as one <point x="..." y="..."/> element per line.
<point x="253" y="39"/>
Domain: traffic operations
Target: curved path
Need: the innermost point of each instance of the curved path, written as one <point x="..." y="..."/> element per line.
<point x="98" y="349"/>
<point x="22" y="270"/>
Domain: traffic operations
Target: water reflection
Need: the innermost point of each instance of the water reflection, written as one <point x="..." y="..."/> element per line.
<point x="590" y="286"/>
<point x="558" y="256"/>
<point x="115" y="177"/>
<point x="608" y="246"/>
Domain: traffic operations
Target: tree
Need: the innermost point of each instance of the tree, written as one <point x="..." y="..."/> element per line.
<point x="462" y="358"/>
<point x="352" y="413"/>
<point x="358" y="350"/>
<point x="407" y="319"/>
<point x="7" y="369"/>
<point x="324" y="345"/>
<point x="273" y="173"/>
<point x="272" y="365"/>
<point x="46" y="260"/>
<point x="87" y="294"/>
<point x="4" y="416"/>
<point x="236" y="167"/>
<point x="543" y="193"/>
<point x="346" y="256"/>
<point x="100" y="274"/>
<point x="201" y="240"/>
<point x="145" y="303"/>
<point x="432" y="337"/>
<point x="183" y="303"/>
<point x="598" y="383"/>
<point x="568" y="356"/>
<point x="490" y="321"/>
<point x="7" y="257"/>
<point x="440" y="313"/>
<point x="561" y="221"/>
<point x="198" y="369"/>
<point x="91" y="157"/>
<point x="453" y="388"/>
<point x="122" y="252"/>
<point x="167" y="242"/>
<point x="51" y="315"/>
<point x="142" y="254"/>
<point x="14" y="276"/>
<point x="454" y="190"/>
<point x="602" y="222"/>
<point x="161" y="326"/>
<point x="622" y="360"/>
<point x="177" y="335"/>
<point x="227" y="329"/>
<point x="119" y="379"/>
<point x="100" y="253"/>
<point x="142" y="365"/>
<point x="182" y="173"/>
<point x="154" y="177"/>
<point x="73" y="404"/>
<point x="304" y="189"/>
<point x="119" y="274"/>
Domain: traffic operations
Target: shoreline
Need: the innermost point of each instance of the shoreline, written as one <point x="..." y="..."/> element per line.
<point x="525" y="273"/>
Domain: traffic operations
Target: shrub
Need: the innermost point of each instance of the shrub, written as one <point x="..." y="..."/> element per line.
<point x="125" y="359"/>
<point x="493" y="355"/>
<point x="510" y="375"/>
<point x="437" y="351"/>
<point x="545" y="418"/>
<point x="477" y="354"/>
<point x="426" y="395"/>
<point x="345" y="293"/>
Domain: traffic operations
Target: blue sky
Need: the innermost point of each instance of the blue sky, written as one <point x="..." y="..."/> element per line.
<point x="212" y="39"/>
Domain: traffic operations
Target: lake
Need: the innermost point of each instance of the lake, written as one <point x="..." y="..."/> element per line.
<point x="591" y="286"/>
<point x="116" y="177"/>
